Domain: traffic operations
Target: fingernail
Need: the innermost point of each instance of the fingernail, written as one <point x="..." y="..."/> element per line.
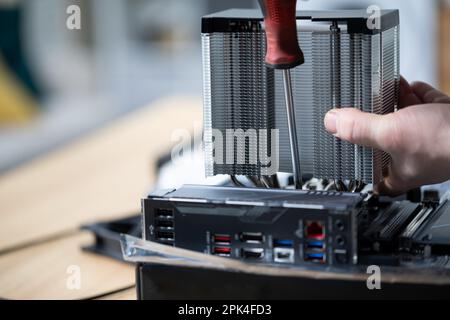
<point x="331" y="121"/>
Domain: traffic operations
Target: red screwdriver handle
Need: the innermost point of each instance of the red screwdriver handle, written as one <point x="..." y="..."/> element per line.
<point x="283" y="50"/>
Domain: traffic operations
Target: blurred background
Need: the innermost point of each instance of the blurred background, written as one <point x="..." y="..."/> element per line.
<point x="57" y="84"/>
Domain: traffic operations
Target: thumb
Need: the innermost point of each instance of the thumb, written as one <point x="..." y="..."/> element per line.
<point x="361" y="128"/>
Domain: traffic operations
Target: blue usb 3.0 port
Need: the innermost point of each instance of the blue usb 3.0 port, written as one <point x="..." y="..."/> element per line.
<point x="315" y="257"/>
<point x="283" y="243"/>
<point x="318" y="245"/>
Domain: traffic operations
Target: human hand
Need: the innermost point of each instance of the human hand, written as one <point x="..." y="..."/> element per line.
<point x="417" y="136"/>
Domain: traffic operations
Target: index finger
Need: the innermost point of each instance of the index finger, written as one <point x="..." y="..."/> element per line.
<point x="429" y="94"/>
<point x="407" y="97"/>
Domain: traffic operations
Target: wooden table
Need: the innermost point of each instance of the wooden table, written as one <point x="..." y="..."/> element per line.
<point x="100" y="176"/>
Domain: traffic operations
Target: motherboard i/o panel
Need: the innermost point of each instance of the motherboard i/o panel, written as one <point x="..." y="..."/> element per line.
<point x="257" y="225"/>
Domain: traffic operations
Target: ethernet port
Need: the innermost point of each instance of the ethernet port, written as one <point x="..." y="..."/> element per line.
<point x="315" y="230"/>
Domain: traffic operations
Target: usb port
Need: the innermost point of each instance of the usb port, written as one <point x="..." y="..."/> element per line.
<point x="164" y="213"/>
<point x="222" y="251"/>
<point x="315" y="245"/>
<point x="315" y="257"/>
<point x="284" y="243"/>
<point x="284" y="255"/>
<point x="165" y="235"/>
<point x="252" y="237"/>
<point x="315" y="230"/>
<point x="253" y="253"/>
<point x="221" y="238"/>
<point x="165" y="224"/>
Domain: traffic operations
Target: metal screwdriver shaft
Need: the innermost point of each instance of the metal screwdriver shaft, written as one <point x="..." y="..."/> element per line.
<point x="284" y="53"/>
<point x="292" y="128"/>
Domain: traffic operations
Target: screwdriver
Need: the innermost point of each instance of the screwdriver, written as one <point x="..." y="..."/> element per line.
<point x="284" y="53"/>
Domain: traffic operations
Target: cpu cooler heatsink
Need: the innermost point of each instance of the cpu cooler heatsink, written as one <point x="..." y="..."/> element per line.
<point x="349" y="63"/>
